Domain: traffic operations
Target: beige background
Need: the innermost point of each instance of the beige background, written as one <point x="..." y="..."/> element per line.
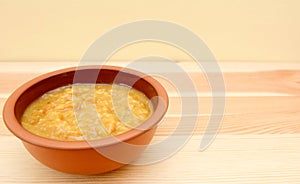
<point x="235" y="30"/>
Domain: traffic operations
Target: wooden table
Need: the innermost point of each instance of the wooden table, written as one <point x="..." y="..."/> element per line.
<point x="259" y="141"/>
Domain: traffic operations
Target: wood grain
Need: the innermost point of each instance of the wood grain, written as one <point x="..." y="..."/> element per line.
<point x="230" y="159"/>
<point x="259" y="141"/>
<point x="257" y="112"/>
<point x="279" y="81"/>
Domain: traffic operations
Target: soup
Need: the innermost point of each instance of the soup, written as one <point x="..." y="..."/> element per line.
<point x="86" y="111"/>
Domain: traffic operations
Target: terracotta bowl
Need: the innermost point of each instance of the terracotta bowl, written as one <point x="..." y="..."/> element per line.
<point x="86" y="157"/>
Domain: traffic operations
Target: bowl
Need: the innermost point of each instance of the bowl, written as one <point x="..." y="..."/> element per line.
<point x="86" y="157"/>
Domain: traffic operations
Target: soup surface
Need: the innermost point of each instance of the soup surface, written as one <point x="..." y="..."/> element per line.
<point x="86" y="111"/>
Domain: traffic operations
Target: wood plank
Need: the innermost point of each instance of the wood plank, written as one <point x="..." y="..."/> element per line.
<point x="275" y="78"/>
<point x="239" y="158"/>
<point x="243" y="115"/>
<point x="258" y="142"/>
<point x="281" y="81"/>
<point x="10" y="82"/>
<point x="187" y="65"/>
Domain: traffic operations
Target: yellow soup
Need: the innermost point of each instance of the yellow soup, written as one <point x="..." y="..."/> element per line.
<point x="86" y="111"/>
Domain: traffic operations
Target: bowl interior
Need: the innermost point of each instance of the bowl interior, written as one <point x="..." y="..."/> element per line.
<point x="28" y="92"/>
<point x="89" y="75"/>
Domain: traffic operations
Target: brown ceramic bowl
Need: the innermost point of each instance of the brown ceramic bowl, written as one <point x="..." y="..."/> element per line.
<point x="86" y="157"/>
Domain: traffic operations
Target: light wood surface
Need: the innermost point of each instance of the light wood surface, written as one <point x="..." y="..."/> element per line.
<point x="259" y="141"/>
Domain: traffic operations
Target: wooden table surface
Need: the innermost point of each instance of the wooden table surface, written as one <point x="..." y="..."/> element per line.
<point x="259" y="141"/>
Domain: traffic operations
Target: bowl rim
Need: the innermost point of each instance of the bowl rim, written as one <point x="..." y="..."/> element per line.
<point x="19" y="131"/>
